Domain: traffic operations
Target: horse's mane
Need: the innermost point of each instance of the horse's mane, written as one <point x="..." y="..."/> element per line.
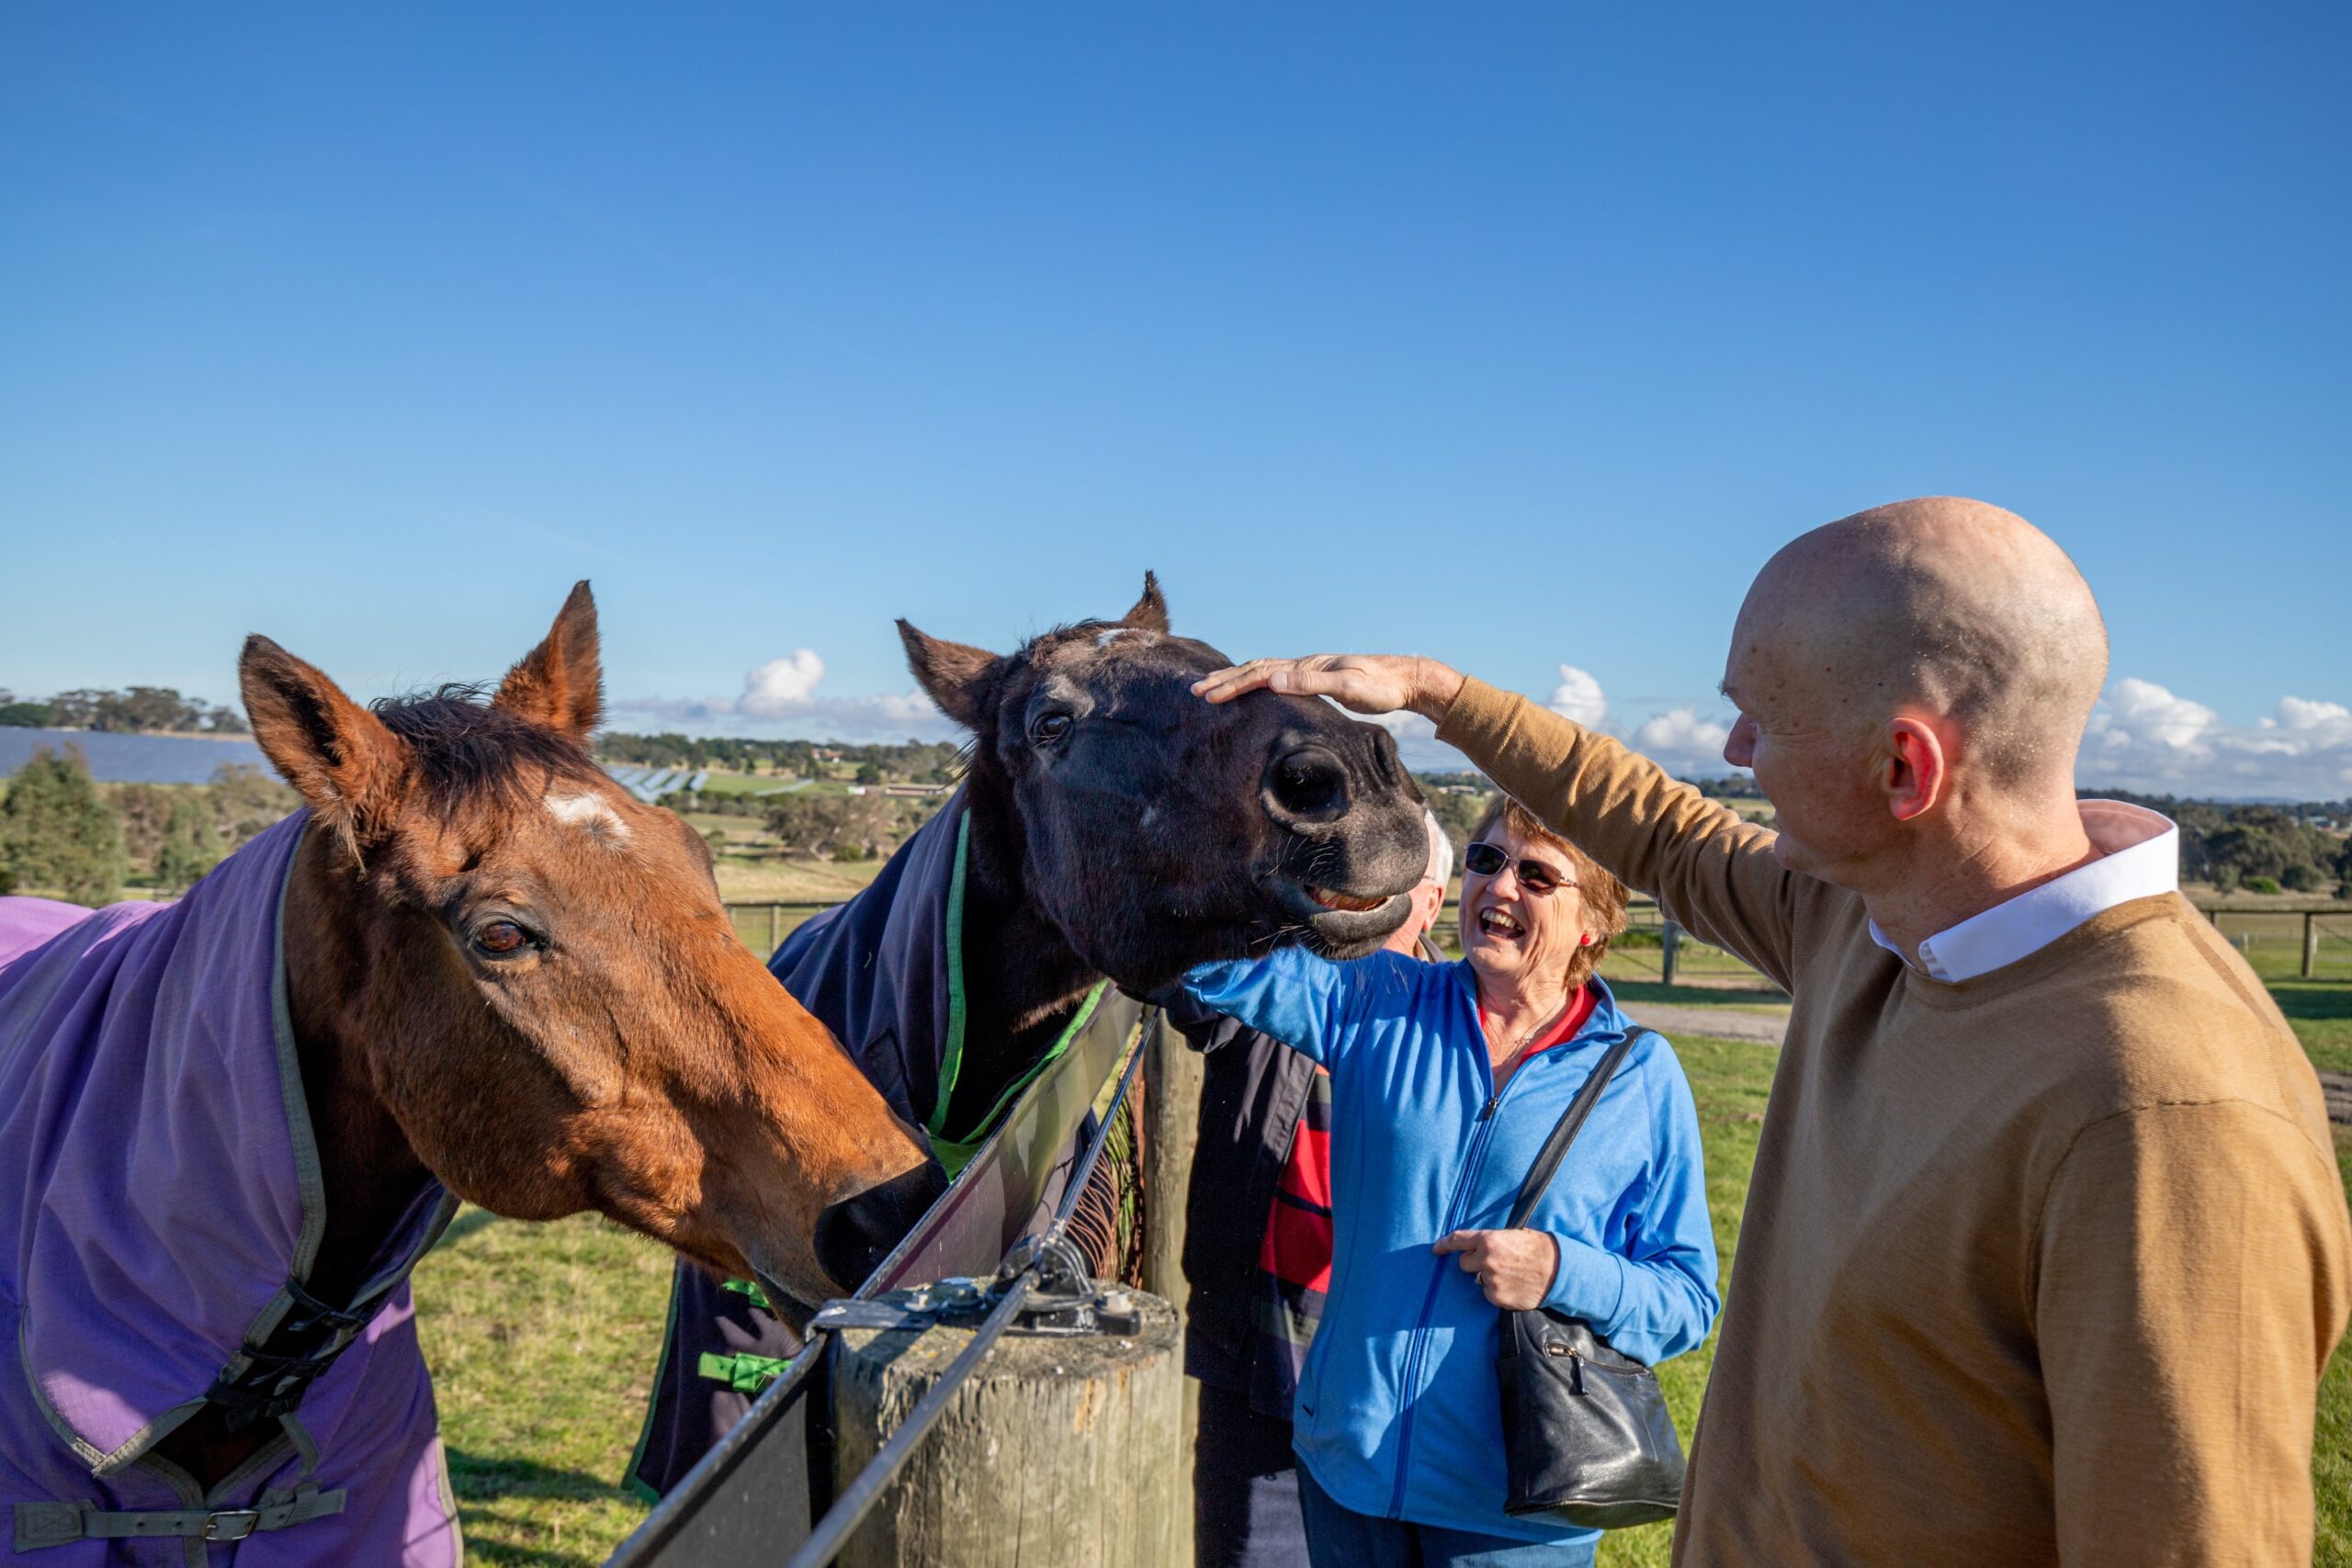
<point x="467" y="746"/>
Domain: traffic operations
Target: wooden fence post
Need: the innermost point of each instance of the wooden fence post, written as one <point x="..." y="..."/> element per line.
<point x="1670" y="940"/>
<point x="2310" y="943"/>
<point x="1172" y="1075"/>
<point x="1055" y="1453"/>
<point x="771" y="914"/>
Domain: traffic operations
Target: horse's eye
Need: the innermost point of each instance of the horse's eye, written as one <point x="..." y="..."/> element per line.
<point x="502" y="939"/>
<point x="1049" y="728"/>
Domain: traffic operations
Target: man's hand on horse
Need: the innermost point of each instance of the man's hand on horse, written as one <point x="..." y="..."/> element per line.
<point x="1514" y="1268"/>
<point x="1364" y="683"/>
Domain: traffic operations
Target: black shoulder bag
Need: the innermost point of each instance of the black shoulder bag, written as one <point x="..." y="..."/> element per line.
<point x="1586" y="1433"/>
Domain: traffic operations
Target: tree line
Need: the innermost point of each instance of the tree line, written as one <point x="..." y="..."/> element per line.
<point x="145" y="710"/>
<point x="2258" y="849"/>
<point x="917" y="761"/>
<point x="65" y="835"/>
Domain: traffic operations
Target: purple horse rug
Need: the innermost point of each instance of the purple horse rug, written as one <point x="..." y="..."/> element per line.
<point x="160" y="1206"/>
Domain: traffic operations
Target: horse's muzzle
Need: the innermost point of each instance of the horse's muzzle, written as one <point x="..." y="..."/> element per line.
<point x="855" y="1235"/>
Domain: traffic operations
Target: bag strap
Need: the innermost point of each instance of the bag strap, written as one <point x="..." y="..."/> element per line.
<point x="1555" y="1148"/>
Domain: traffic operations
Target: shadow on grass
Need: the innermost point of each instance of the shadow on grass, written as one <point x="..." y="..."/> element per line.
<point x="1699" y="995"/>
<point x="505" y="1554"/>
<point x="2313" y="1000"/>
<point x="476" y="1478"/>
<point x="464" y="1226"/>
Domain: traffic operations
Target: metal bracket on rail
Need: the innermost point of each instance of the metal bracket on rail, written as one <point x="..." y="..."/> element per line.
<point x="1063" y="1300"/>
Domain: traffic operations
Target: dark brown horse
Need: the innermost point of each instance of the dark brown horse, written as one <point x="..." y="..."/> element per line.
<point x="1114" y="825"/>
<point x="1122" y="826"/>
<point x="505" y="975"/>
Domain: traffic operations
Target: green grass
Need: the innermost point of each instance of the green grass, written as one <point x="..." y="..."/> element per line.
<point x="1731" y="1082"/>
<point x="542" y="1341"/>
<point x="2332" y="1438"/>
<point x="2320" y="1012"/>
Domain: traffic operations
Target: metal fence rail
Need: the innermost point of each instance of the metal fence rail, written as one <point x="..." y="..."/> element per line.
<point x="765" y="1490"/>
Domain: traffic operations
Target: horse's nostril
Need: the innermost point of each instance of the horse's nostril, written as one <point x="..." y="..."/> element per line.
<point x="1308" y="783"/>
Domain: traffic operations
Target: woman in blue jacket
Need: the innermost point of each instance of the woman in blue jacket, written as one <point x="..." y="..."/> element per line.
<point x="1445" y="1081"/>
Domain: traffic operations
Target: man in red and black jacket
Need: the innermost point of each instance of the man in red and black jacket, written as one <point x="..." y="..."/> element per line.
<point x="1258" y="1256"/>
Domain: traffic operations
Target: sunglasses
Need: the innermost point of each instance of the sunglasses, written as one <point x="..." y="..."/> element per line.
<point x="1484" y="860"/>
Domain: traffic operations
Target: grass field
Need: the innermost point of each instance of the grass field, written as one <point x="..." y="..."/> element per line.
<point x="542" y="1338"/>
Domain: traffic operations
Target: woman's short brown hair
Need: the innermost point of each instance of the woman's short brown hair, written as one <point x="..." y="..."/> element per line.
<point x="1604" y="896"/>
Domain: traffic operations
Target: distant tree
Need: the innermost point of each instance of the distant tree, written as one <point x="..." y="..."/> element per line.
<point x="2262" y="884"/>
<point x="78" y="709"/>
<point x="2225" y="878"/>
<point x="191" y="844"/>
<point x="146" y="813"/>
<point x="1457" y="814"/>
<point x="2302" y="877"/>
<point x="2258" y="844"/>
<point x="153" y="709"/>
<point x="868" y="775"/>
<point x="804" y="823"/>
<point x="227" y="721"/>
<point x="27" y="716"/>
<point x="2344" y="870"/>
<point x="245" y="800"/>
<point x="57" y="834"/>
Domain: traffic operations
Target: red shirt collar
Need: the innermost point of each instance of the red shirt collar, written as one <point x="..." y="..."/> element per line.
<point x="1579" y="1011"/>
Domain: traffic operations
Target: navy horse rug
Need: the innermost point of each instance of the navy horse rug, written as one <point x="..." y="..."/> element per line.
<point x="161" y="1207"/>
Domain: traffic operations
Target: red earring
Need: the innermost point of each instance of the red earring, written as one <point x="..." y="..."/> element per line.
<point x="1584" y="939"/>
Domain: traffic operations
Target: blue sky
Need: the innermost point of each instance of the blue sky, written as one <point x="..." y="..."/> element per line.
<point x="1516" y="335"/>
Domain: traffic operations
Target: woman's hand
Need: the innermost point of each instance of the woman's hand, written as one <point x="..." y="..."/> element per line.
<point x="1514" y="1268"/>
<point x="1365" y="682"/>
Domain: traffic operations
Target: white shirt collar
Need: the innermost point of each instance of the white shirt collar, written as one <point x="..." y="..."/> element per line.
<point x="2139" y="857"/>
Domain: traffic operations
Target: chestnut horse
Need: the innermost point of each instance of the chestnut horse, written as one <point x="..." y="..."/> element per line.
<point x="505" y="979"/>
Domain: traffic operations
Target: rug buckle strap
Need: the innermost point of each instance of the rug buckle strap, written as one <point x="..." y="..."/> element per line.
<point x="59" y="1524"/>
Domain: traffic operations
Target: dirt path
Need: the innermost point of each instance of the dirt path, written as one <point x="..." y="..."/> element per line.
<point x="1720" y="1023"/>
<point x="1771" y="1029"/>
<point x="2337" y="1088"/>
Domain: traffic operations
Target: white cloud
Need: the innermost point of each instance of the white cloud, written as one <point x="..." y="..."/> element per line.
<point x="907" y="707"/>
<point x="1681" y="741"/>
<point x="779" y="699"/>
<point x="2331" y="719"/>
<point x="781" y="686"/>
<point x="2143" y="737"/>
<point x="2149" y="712"/>
<point x="1579" y="697"/>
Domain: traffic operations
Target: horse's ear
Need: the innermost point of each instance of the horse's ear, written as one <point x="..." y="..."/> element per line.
<point x="1151" y="614"/>
<point x="559" y="684"/>
<point x="951" y="673"/>
<point x="339" y="757"/>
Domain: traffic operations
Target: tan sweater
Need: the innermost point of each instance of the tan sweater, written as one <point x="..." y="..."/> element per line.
<point x="2041" y="1266"/>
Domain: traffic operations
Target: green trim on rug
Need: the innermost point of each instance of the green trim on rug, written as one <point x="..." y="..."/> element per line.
<point x="636" y="1485"/>
<point x="956" y="1155"/>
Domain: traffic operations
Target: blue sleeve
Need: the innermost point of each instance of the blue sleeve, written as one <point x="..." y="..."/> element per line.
<point x="1295" y="996"/>
<point x="1660" y="1297"/>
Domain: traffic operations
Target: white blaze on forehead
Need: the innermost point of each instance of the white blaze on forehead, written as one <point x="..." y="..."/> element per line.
<point x="591" y="811"/>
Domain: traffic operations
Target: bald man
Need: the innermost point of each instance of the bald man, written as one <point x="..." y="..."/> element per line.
<point x="2046" y="1247"/>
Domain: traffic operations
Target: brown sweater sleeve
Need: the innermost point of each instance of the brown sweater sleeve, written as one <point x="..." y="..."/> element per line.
<point x="1712" y="871"/>
<point x="2191" y="1280"/>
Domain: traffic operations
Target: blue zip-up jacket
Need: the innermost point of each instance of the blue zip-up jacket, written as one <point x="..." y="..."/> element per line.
<point x="1398" y="1413"/>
